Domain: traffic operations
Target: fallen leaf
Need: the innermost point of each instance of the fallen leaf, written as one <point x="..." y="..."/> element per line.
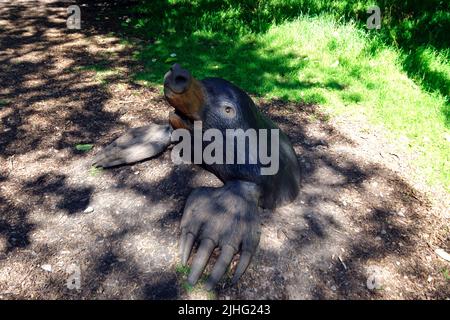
<point x="93" y="171"/>
<point x="47" y="267"/>
<point x="84" y="147"/>
<point x="170" y="60"/>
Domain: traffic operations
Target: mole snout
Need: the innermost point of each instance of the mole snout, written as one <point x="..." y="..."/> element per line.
<point x="177" y="79"/>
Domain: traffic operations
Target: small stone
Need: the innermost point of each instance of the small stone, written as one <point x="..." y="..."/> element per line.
<point x="46" y="267"/>
<point x="333" y="288"/>
<point x="378" y="239"/>
<point x="401" y="213"/>
<point x="374" y="282"/>
<point x="280" y="233"/>
<point x="430" y="278"/>
<point x="136" y="172"/>
<point x="173" y="55"/>
<point x="383" y="231"/>
<point x="404" y="139"/>
<point x="335" y="64"/>
<point x="447" y="137"/>
<point x="88" y="210"/>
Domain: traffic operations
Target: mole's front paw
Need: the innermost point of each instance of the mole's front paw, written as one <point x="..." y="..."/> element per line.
<point x="225" y="217"/>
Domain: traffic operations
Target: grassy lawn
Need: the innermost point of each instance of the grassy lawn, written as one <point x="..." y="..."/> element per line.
<point x="315" y="58"/>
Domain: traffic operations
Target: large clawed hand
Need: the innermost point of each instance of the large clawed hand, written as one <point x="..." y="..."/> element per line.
<point x="225" y="217"/>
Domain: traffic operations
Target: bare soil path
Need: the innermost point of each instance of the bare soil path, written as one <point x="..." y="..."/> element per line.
<point x="361" y="221"/>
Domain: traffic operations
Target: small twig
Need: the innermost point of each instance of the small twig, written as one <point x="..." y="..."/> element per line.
<point x="393" y="154"/>
<point x="342" y="261"/>
<point x="11" y="163"/>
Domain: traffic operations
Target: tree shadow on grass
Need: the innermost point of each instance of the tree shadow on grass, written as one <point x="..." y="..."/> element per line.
<point x="418" y="63"/>
<point x="196" y="32"/>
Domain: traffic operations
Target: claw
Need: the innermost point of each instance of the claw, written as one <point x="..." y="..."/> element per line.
<point x="187" y="242"/>
<point x="244" y="261"/>
<point x="201" y="259"/>
<point x="220" y="267"/>
<point x="226" y="217"/>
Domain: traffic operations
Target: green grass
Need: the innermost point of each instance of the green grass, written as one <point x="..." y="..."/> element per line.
<point x="446" y="274"/>
<point x="103" y="72"/>
<point x="95" y="171"/>
<point x="398" y="77"/>
<point x="182" y="270"/>
<point x="102" y="66"/>
<point x="3" y="102"/>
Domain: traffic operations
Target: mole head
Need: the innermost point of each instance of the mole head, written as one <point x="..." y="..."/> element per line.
<point x="216" y="102"/>
<point x="185" y="94"/>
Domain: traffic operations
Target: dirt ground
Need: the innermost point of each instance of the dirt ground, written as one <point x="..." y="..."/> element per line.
<point x="365" y="226"/>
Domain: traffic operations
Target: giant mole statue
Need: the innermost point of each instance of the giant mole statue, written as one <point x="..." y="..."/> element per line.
<point x="225" y="217"/>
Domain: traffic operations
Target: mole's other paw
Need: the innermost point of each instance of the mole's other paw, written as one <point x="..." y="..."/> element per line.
<point x="225" y="217"/>
<point x="135" y="145"/>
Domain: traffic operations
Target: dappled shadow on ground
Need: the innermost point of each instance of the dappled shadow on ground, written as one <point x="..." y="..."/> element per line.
<point x="51" y="100"/>
<point x="126" y="248"/>
<point x="37" y="91"/>
<point x="36" y="82"/>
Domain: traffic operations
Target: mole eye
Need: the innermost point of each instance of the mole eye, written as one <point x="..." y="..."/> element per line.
<point x="229" y="111"/>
